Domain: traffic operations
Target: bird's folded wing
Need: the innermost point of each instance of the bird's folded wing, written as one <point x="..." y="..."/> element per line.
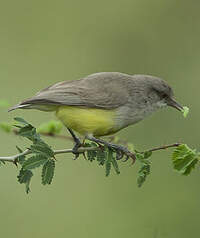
<point x="95" y="91"/>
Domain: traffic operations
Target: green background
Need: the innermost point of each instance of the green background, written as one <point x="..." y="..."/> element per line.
<point x="43" y="42"/>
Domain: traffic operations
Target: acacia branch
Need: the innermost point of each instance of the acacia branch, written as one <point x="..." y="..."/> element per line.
<point x="56" y="152"/>
<point x="164" y="147"/>
<point x="14" y="158"/>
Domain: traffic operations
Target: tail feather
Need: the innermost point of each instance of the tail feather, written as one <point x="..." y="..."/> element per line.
<point x="19" y="106"/>
<point x="45" y="108"/>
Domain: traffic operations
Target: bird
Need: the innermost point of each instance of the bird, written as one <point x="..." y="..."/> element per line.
<point x="102" y="104"/>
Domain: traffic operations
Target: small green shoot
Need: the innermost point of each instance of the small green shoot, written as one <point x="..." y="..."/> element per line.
<point x="185" y="111"/>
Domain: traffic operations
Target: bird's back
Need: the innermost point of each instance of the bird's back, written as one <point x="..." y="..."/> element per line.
<point x="101" y="90"/>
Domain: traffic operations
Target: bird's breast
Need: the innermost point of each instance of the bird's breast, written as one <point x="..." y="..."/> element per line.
<point x="98" y="122"/>
<point x="131" y="114"/>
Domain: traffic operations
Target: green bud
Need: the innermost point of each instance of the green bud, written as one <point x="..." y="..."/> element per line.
<point x="185" y="111"/>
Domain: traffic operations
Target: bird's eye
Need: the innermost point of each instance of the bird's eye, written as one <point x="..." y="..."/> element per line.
<point x="163" y="95"/>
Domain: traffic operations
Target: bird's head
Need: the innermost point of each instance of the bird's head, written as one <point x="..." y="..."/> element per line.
<point x="165" y="94"/>
<point x="158" y="92"/>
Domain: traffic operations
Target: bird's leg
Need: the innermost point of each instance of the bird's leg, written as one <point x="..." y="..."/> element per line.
<point x="77" y="145"/>
<point x="120" y="150"/>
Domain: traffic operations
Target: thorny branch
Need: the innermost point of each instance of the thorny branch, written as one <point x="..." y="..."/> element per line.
<point x="80" y="150"/>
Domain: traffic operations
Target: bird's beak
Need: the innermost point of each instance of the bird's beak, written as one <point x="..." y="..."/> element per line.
<point x="173" y="103"/>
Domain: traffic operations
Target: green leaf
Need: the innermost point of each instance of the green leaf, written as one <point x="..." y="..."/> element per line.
<point x="185" y="111"/>
<point x="91" y="155"/>
<point x="143" y="172"/>
<point x="29" y="132"/>
<point x="40" y="147"/>
<point x="101" y="156"/>
<point x="21" y="159"/>
<point x="108" y="161"/>
<point x="25" y="177"/>
<point x="147" y="154"/>
<point x="115" y="165"/>
<point x="184" y="159"/>
<point x="139" y="156"/>
<point x="2" y="163"/>
<point x="52" y="127"/>
<point x="21" y="120"/>
<point x="34" y="162"/>
<point x="6" y="127"/>
<point x="48" y="172"/>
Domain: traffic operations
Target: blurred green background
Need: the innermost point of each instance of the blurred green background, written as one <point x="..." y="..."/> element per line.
<point x="43" y="42"/>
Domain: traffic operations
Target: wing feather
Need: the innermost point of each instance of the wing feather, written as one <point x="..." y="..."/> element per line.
<point x="100" y="90"/>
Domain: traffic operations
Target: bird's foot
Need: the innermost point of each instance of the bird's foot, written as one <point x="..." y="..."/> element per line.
<point x="121" y="151"/>
<point x="77" y="145"/>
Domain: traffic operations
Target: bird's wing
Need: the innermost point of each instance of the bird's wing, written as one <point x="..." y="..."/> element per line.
<point x="101" y="90"/>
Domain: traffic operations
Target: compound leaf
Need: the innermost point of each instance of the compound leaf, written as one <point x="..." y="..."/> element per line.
<point x="40" y="147"/>
<point x="21" y="159"/>
<point x="115" y="165"/>
<point x="143" y="172"/>
<point x="48" y="172"/>
<point x="108" y="160"/>
<point x="34" y="162"/>
<point x="25" y="177"/>
<point x="101" y="155"/>
<point x="184" y="159"/>
<point x="21" y="120"/>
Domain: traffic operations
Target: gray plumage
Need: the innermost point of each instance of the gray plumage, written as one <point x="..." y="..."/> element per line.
<point x="106" y="90"/>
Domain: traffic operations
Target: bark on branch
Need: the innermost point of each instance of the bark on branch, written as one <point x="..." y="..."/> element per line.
<point x="80" y="150"/>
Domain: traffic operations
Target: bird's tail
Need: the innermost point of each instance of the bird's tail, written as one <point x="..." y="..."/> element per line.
<point x="45" y="108"/>
<point x="20" y="106"/>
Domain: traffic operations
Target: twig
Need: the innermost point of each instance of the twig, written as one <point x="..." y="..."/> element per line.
<point x="111" y="138"/>
<point x="56" y="152"/>
<point x="14" y="157"/>
<point x="164" y="147"/>
<point x="80" y="150"/>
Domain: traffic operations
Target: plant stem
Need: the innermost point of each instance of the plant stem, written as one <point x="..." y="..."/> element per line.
<point x="56" y="152"/>
<point x="80" y="150"/>
<point x="164" y="147"/>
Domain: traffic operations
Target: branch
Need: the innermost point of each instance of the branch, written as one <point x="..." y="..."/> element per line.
<point x="80" y="150"/>
<point x="164" y="147"/>
<point x="56" y="152"/>
<point x="111" y="139"/>
<point x="106" y="154"/>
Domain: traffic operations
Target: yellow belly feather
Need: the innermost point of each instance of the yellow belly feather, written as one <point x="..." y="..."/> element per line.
<point x="98" y="122"/>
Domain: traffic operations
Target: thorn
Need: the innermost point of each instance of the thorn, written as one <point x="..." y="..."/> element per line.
<point x="15" y="163"/>
<point x="84" y="156"/>
<point x="76" y="156"/>
<point x="54" y="158"/>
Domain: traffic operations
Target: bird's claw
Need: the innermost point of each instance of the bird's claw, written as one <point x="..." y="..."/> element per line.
<point x="75" y="150"/>
<point x="121" y="152"/>
<point x="119" y="155"/>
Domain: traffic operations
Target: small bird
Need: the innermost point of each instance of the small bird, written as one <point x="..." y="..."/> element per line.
<point x="102" y="104"/>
